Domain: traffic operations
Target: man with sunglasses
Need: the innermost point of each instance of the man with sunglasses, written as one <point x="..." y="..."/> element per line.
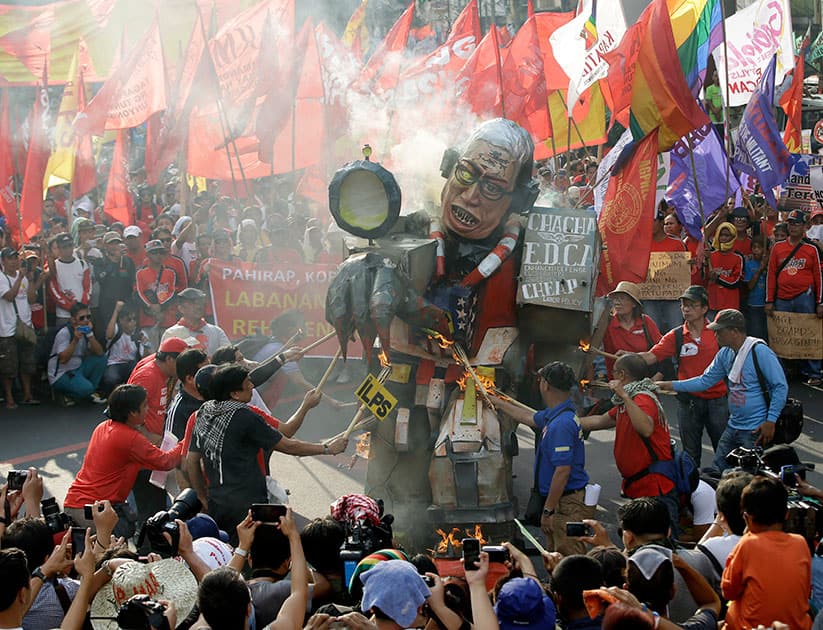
<point x="77" y="359"/>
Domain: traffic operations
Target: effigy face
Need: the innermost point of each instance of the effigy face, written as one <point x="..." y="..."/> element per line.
<point x="478" y="194"/>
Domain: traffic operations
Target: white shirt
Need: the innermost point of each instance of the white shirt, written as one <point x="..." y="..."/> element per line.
<point x="8" y="318"/>
<point x="124" y="350"/>
<point x="70" y="279"/>
<point x="22" y="299"/>
<point x="210" y="337"/>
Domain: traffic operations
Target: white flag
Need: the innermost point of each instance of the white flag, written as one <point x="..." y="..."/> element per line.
<point x="578" y="46"/>
<point x="753" y="35"/>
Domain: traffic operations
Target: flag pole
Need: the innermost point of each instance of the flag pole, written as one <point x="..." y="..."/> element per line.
<point x="551" y="137"/>
<point x="573" y="122"/>
<point x="726" y="130"/>
<point x="221" y="113"/>
<point x="696" y="183"/>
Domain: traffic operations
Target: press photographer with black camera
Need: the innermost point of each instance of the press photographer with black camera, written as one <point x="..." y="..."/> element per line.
<point x="116" y="453"/>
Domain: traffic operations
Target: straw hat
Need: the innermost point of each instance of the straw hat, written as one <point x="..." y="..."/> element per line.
<point x="629" y="288"/>
<point x="164" y="579"/>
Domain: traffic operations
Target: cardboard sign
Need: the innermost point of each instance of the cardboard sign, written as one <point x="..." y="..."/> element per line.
<point x="377" y="398"/>
<point x="795" y="335"/>
<point x="559" y="259"/>
<point x="669" y="275"/>
<point x="804" y="186"/>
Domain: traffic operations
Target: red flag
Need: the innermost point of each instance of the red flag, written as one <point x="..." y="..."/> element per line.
<point x="119" y="204"/>
<point x="382" y="70"/>
<point x="792" y="102"/>
<point x="627" y="217"/>
<point x="85" y="172"/>
<point x="530" y="9"/>
<point x="524" y="83"/>
<point x="480" y="81"/>
<point x="8" y="205"/>
<point x="504" y="37"/>
<point x="133" y="92"/>
<point x="622" y="61"/>
<point x="31" y="200"/>
<point x="547" y="23"/>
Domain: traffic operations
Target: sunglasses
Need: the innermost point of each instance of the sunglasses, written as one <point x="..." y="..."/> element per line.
<point x="83" y="318"/>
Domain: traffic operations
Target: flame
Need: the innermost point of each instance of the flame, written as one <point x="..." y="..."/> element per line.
<point x="486" y="381"/>
<point x="584" y="383"/>
<point x="477" y="533"/>
<point x="441" y="340"/>
<point x="384" y="359"/>
<point x="450" y="543"/>
<point x="584" y="345"/>
<point x="362" y="447"/>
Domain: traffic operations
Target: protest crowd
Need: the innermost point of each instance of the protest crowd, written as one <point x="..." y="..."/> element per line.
<point x="111" y="306"/>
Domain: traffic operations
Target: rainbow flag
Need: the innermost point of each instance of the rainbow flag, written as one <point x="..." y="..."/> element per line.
<point x="589" y="30"/>
<point x="697" y="26"/>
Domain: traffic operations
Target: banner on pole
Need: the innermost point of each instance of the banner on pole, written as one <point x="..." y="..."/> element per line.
<point x="804" y="186"/>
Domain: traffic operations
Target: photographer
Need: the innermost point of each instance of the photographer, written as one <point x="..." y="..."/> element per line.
<point x="77" y="359"/>
<point x="115" y="454"/>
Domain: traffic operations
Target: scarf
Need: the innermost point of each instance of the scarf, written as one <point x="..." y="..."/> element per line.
<point x="736" y="373"/>
<point x="646" y="386"/>
<point x="724" y="247"/>
<point x="210" y="426"/>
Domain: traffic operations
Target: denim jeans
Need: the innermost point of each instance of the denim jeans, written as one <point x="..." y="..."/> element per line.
<point x="82" y="382"/>
<point x="730" y="440"/>
<point x="803" y="303"/>
<point x="696" y="414"/>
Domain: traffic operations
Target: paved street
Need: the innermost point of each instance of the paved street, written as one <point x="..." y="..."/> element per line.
<point x="54" y="439"/>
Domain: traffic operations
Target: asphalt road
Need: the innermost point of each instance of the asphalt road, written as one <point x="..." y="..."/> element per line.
<point x="53" y="439"/>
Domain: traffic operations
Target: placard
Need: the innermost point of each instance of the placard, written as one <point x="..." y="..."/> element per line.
<point x="560" y="255"/>
<point x="804" y="186"/>
<point x="669" y="275"/>
<point x="795" y="335"/>
<point x="377" y="398"/>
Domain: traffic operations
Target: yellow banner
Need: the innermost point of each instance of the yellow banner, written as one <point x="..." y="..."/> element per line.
<point x="377" y="398"/>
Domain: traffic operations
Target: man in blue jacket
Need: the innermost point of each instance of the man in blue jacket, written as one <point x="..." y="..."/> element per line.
<point x="751" y="418"/>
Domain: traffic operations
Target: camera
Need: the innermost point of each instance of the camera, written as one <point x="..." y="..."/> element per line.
<point x="16" y="479"/>
<point x="84" y="329"/>
<point x="185" y="506"/>
<point x="363" y="538"/>
<point x="56" y="520"/>
<point x="789" y="473"/>
<point x="496" y="553"/>
<point x="141" y="612"/>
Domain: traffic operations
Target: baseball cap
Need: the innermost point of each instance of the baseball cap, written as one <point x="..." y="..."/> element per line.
<point x="173" y="345"/>
<point x="202" y="380"/>
<point x="155" y="245"/>
<point x="112" y="237"/>
<point x="522" y="604"/>
<point x="739" y="211"/>
<point x="204" y="526"/>
<point x="191" y="294"/>
<point x="396" y="588"/>
<point x="796" y="216"/>
<point x="696" y="293"/>
<point x="728" y="318"/>
<point x="8" y="252"/>
<point x="64" y="239"/>
<point x="816" y="213"/>
<point x="649" y="558"/>
<point x="132" y="230"/>
<point x="83" y="224"/>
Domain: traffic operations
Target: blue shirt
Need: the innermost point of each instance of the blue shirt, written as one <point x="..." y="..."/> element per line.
<point x="561" y="444"/>
<point x="757" y="295"/>
<point x="747" y="407"/>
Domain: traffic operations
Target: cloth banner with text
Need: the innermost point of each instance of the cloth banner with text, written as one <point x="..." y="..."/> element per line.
<point x="246" y="297"/>
<point x="804" y="186"/>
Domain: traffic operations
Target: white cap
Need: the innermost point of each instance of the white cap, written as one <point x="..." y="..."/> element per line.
<point x="132" y="230"/>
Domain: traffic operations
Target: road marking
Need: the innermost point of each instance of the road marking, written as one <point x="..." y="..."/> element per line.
<point x="54" y="452"/>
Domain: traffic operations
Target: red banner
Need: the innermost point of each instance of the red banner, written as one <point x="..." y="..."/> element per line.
<point x="247" y="297"/>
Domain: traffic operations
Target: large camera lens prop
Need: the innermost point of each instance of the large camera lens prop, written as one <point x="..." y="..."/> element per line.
<point x="364" y="199"/>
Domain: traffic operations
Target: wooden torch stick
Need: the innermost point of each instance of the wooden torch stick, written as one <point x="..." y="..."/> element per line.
<point x="602" y="353"/>
<point x="514" y="401"/>
<point x="327" y="373"/>
<point x="319" y="341"/>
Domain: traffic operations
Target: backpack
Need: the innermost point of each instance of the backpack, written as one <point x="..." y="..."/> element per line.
<point x="681" y="469"/>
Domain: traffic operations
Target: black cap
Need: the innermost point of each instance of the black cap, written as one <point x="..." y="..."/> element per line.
<point x="9" y="252"/>
<point x="202" y="380"/>
<point x="64" y="239"/>
<point x="191" y="294"/>
<point x="740" y="211"/>
<point x="728" y="318"/>
<point x="696" y="293"/>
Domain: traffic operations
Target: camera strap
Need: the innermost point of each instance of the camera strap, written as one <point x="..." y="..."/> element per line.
<point x="65" y="601"/>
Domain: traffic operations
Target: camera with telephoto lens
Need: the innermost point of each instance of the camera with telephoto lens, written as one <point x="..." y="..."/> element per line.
<point x="56" y="520"/>
<point x="363" y="538"/>
<point x="185" y="506"/>
<point x="141" y="612"/>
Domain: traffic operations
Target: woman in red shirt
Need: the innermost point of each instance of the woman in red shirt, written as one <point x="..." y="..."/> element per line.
<point x="117" y="451"/>
<point x="629" y="328"/>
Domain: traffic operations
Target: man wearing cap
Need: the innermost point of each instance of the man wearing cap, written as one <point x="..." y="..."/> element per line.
<point x="693" y="347"/>
<point x="114" y="274"/>
<point x="394" y="594"/>
<point x="17" y="357"/>
<point x="191" y="303"/>
<point x="155" y="285"/>
<point x="793" y="283"/>
<point x="71" y="281"/>
<point x="156" y="374"/>
<point x="77" y="359"/>
<point x="751" y="419"/>
<point x="132" y="237"/>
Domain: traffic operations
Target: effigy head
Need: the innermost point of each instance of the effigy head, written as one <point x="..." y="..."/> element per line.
<point x="487" y="179"/>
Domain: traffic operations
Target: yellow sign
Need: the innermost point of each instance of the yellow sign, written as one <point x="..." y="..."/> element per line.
<point x="669" y="275"/>
<point x="795" y="335"/>
<point x="377" y="398"/>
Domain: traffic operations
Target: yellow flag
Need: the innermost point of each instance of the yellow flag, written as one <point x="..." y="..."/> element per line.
<point x="60" y="168"/>
<point x="587" y="129"/>
<point x="356" y="34"/>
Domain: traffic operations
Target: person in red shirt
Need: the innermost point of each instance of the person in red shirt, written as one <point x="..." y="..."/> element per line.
<point x="155" y="285"/>
<point x="725" y="270"/>
<point x="693" y="347"/>
<point x="629" y="329"/>
<point x="133" y="238"/>
<point x="665" y="313"/>
<point x="640" y="428"/>
<point x="156" y="374"/>
<point x="793" y="283"/>
<point x="175" y="262"/>
<point x="116" y="452"/>
<point x="742" y="221"/>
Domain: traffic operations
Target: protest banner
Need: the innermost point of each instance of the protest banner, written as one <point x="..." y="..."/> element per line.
<point x="804" y="186"/>
<point x="558" y="255"/>
<point x="669" y="275"/>
<point x="795" y="335"/>
<point x="753" y="36"/>
<point x="247" y="297"/>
